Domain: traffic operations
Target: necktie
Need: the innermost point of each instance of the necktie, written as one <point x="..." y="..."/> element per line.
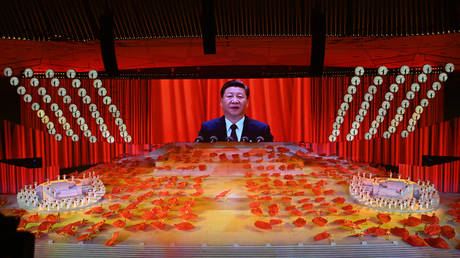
<point x="233" y="134"/>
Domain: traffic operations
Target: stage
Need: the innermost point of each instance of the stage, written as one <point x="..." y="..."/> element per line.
<point x="224" y="199"/>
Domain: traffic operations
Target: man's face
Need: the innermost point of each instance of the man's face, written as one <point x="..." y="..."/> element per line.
<point x="234" y="102"/>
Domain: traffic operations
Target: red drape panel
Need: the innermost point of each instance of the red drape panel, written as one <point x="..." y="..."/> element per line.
<point x="446" y="177"/>
<point x="13" y="178"/>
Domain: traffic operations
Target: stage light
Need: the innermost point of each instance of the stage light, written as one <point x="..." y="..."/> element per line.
<point x="103" y="127"/>
<point x="362" y="112"/>
<point x="351" y="89"/>
<point x="341" y="112"/>
<point x="14" y="81"/>
<point x="76" y="83"/>
<point x="359" y="70"/>
<point x="416" y="116"/>
<point x="405" y="103"/>
<point x="365" y="105"/>
<point x="382" y="111"/>
<point x="67" y="99"/>
<point x="410" y="128"/>
<point x="76" y="114"/>
<point x="40" y="113"/>
<point x="41" y="91"/>
<point x="443" y="77"/>
<point x="84" y="127"/>
<point x="92" y="108"/>
<point x="344" y="106"/>
<point x="97" y="83"/>
<point x="35" y="106"/>
<point x="116" y="114"/>
<point x="436" y="86"/>
<point x="62" y="120"/>
<point x="332" y="138"/>
<point x="55" y="82"/>
<point x="80" y="120"/>
<point x="75" y="138"/>
<point x="87" y="133"/>
<point x="368" y="97"/>
<point x="52" y="131"/>
<point x="424" y="103"/>
<point x="382" y="70"/>
<point x="92" y="74"/>
<point x="422" y="78"/>
<point x="394" y="122"/>
<point x="372" y="89"/>
<point x="415" y="87"/>
<point x="72" y="108"/>
<point x="71" y="73"/>
<point x="378" y="80"/>
<point x="412" y="122"/>
<point x="34" y="82"/>
<point x="353" y="131"/>
<point x="107" y="100"/>
<point x="110" y="139"/>
<point x="401" y="110"/>
<point x="105" y="134"/>
<point x="58" y="113"/>
<point x="373" y="130"/>
<point x="49" y="73"/>
<point x="69" y="132"/>
<point x="21" y="90"/>
<point x="449" y="67"/>
<point x="386" y="135"/>
<point x="54" y="107"/>
<point x="389" y="96"/>
<point x="355" y="125"/>
<point x="386" y="105"/>
<point x="47" y="99"/>
<point x="95" y="114"/>
<point x="58" y="137"/>
<point x="367" y="136"/>
<point x="86" y="99"/>
<point x="348" y="98"/>
<point x="92" y="139"/>
<point x="410" y="95"/>
<point x="8" y="72"/>
<point x="419" y="109"/>
<point x="359" y="118"/>
<point x="375" y="124"/>
<point x="394" y="88"/>
<point x="339" y="119"/>
<point x="118" y="121"/>
<point x="66" y="126"/>
<point x="355" y="80"/>
<point x="27" y="98"/>
<point x="430" y="94"/>
<point x="379" y="118"/>
<point x="50" y="125"/>
<point x="123" y="134"/>
<point x="400" y="79"/>
<point x="404" y="70"/>
<point x="99" y="120"/>
<point x="45" y="119"/>
<point x="404" y="133"/>
<point x="112" y="108"/>
<point x="81" y="92"/>
<point x="335" y="126"/>
<point x="102" y="92"/>
<point x="350" y="137"/>
<point x="28" y="73"/>
<point x="399" y="117"/>
<point x="391" y="129"/>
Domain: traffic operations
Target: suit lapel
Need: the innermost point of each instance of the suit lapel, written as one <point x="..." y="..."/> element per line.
<point x="222" y="130"/>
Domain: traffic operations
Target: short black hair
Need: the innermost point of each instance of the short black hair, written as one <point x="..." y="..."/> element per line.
<point x="234" y="83"/>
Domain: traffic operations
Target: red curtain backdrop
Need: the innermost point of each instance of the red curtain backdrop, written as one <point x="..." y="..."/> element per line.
<point x="446" y="177"/>
<point x="13" y="178"/>
<point x="297" y="109"/>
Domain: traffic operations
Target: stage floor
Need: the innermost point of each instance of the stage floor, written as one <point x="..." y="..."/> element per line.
<point x="275" y="199"/>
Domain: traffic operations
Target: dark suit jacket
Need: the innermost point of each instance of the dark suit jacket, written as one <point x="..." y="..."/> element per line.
<point x="252" y="129"/>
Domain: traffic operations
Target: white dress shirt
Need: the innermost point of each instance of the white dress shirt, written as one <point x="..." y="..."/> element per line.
<point x="239" y="130"/>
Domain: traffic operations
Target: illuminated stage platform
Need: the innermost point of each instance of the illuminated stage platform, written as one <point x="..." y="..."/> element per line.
<point x="224" y="199"/>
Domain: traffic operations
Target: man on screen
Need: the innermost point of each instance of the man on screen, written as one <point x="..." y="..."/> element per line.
<point x="234" y="125"/>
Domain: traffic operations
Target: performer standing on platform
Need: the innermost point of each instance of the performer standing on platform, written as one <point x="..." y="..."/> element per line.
<point x="234" y="125"/>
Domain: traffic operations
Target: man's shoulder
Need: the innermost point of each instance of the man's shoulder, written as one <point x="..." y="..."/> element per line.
<point x="253" y="122"/>
<point x="213" y="122"/>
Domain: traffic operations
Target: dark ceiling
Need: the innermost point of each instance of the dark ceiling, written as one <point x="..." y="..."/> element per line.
<point x="80" y="20"/>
